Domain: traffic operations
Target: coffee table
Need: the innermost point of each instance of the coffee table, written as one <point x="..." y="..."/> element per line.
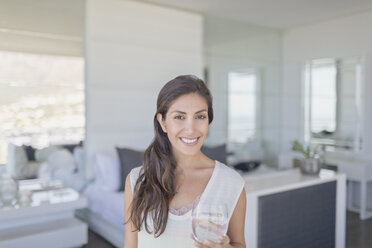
<point x="47" y="221"/>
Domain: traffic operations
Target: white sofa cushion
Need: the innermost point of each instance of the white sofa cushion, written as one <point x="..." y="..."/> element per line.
<point x="42" y="155"/>
<point x="107" y="171"/>
<point x="61" y="159"/>
<point x="18" y="165"/>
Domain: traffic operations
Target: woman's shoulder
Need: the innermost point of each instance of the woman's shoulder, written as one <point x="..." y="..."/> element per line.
<point x="134" y="174"/>
<point x="136" y="170"/>
<point x="228" y="172"/>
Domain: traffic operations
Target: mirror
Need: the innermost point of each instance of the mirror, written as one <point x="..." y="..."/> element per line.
<point x="333" y="103"/>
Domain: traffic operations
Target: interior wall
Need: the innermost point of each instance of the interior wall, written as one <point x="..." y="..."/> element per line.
<point x="132" y="49"/>
<point x="340" y="38"/>
<point x="235" y="46"/>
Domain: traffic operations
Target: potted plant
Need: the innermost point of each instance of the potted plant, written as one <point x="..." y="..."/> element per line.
<point x="310" y="164"/>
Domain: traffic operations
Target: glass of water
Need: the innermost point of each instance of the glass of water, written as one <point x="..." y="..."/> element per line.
<point x="209" y="221"/>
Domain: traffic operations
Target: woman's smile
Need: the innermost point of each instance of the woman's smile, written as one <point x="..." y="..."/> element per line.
<point x="190" y="141"/>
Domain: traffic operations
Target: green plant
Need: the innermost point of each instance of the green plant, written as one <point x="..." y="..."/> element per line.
<point x="308" y="152"/>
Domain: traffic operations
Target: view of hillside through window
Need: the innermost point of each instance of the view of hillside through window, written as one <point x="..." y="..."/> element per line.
<point x="41" y="100"/>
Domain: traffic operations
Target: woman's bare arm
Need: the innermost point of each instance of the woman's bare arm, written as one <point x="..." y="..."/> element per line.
<point x="131" y="237"/>
<point x="237" y="222"/>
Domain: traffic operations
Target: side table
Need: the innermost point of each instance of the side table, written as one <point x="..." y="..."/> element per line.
<point x="360" y="172"/>
<point x="48" y="221"/>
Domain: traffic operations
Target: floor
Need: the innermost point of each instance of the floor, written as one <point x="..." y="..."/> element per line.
<point x="358" y="234"/>
<point x="96" y="241"/>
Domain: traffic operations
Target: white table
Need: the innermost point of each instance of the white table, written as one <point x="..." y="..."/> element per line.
<point x="266" y="182"/>
<point x="48" y="221"/>
<point x="356" y="171"/>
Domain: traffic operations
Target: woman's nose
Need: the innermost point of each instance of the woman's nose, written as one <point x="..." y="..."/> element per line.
<point x="189" y="125"/>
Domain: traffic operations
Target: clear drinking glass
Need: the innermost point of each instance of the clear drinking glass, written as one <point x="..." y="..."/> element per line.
<point x="209" y="221"/>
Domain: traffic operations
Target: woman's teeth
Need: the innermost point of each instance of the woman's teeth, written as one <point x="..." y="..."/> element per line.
<point x="189" y="141"/>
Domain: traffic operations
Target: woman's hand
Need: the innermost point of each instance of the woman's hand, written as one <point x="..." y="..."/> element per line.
<point x="224" y="242"/>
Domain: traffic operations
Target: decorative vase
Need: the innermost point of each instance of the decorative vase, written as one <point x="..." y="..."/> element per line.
<point x="310" y="166"/>
<point x="8" y="190"/>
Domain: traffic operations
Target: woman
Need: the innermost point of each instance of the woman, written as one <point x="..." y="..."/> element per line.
<point x="176" y="175"/>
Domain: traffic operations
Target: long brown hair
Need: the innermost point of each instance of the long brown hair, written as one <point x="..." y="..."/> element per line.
<point x="155" y="186"/>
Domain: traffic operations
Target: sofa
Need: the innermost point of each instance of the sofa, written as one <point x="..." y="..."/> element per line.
<point x="105" y="194"/>
<point x="58" y="162"/>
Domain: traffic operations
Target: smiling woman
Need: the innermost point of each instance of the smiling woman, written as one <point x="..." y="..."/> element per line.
<point x="176" y="177"/>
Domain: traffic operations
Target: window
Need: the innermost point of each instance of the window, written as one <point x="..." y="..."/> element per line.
<point x="323" y="104"/>
<point x="41" y="100"/>
<point x="242" y="107"/>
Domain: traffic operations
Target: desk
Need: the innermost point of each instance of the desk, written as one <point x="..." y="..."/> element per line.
<point x="281" y="186"/>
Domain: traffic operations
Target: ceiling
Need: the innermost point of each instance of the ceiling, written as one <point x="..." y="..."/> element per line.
<point x="66" y="16"/>
<point x="282" y="14"/>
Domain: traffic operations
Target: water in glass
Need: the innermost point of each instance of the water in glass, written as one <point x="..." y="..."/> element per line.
<point x="209" y="222"/>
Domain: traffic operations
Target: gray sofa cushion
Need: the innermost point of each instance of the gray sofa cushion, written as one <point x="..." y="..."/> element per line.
<point x="129" y="159"/>
<point x="30" y="152"/>
<point x="215" y="153"/>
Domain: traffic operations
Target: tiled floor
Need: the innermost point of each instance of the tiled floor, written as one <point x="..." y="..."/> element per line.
<point x="358" y="234"/>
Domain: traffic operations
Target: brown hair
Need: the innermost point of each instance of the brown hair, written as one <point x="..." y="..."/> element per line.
<point x="155" y="186"/>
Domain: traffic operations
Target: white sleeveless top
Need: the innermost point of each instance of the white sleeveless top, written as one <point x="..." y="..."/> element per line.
<point x="224" y="186"/>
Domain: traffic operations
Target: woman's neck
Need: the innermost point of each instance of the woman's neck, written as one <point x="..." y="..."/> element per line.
<point x="185" y="162"/>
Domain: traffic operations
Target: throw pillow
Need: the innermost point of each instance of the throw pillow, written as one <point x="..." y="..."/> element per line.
<point x="216" y="153"/>
<point x="107" y="171"/>
<point x="30" y="152"/>
<point x="42" y="155"/>
<point x="79" y="160"/>
<point x="61" y="159"/>
<point x="71" y="147"/>
<point x="17" y="162"/>
<point x="129" y="159"/>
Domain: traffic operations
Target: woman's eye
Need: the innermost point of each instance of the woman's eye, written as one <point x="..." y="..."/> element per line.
<point x="178" y="117"/>
<point x="201" y="117"/>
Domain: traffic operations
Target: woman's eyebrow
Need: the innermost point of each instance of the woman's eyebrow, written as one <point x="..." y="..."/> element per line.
<point x="181" y="112"/>
<point x="203" y="110"/>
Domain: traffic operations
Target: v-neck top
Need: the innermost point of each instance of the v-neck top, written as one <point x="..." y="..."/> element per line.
<point x="224" y="187"/>
<point x="183" y="210"/>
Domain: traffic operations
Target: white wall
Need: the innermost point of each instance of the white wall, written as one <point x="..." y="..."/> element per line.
<point x="234" y="46"/>
<point x="340" y="38"/>
<point x="132" y="49"/>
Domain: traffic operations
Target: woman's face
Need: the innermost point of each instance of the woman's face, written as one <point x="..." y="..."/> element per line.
<point x="186" y="124"/>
